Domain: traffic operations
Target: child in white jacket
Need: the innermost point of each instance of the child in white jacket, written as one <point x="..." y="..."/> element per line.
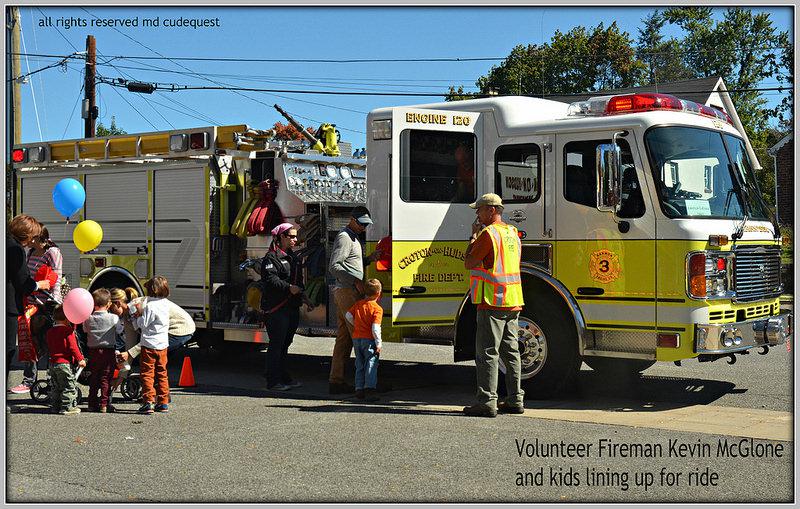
<point x="152" y="320"/>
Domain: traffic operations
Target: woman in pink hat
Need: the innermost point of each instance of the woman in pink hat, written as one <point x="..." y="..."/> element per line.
<point x="281" y="298"/>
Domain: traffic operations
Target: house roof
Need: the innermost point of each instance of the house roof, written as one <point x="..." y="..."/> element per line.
<point x="697" y="90"/>
<point x="775" y="148"/>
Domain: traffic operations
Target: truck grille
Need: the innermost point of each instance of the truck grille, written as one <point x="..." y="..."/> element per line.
<point x="757" y="273"/>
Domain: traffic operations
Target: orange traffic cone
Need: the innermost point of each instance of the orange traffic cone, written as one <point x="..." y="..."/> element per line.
<point x="187" y="376"/>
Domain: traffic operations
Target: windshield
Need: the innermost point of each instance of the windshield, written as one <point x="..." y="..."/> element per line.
<point x="695" y="176"/>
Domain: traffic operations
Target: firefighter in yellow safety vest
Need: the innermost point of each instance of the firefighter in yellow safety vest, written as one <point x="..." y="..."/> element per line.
<point x="493" y="258"/>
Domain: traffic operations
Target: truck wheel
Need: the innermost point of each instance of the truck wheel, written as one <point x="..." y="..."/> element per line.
<point x="548" y="346"/>
<point x="617" y="367"/>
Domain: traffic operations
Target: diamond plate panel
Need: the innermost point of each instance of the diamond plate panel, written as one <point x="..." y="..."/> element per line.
<point x="623" y="341"/>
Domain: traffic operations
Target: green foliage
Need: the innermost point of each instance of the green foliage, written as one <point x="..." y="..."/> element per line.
<point x="787" y="247"/>
<point x="112" y="130"/>
<point x="744" y="49"/>
<point x="577" y="61"/>
<point x="662" y="58"/>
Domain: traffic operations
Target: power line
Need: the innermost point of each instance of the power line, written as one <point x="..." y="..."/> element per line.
<point x="134" y="109"/>
<point x="59" y="33"/>
<point x="142" y="98"/>
<point x="190" y="70"/>
<point x="683" y="51"/>
<point x="71" y="115"/>
<point x="180" y="88"/>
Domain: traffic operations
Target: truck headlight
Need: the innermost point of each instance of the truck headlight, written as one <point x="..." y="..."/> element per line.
<point x="709" y="275"/>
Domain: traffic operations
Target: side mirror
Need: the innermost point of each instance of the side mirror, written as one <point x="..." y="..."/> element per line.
<point x="608" y="178"/>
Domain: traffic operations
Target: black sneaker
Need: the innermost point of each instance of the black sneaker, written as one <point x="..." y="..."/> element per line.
<point x="147" y="409"/>
<point x="480" y="410"/>
<point x="360" y="393"/>
<point x="342" y="388"/>
<point x="371" y="395"/>
<point x="507" y="408"/>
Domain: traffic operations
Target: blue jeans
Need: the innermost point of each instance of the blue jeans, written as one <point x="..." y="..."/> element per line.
<point x="177" y="342"/>
<point x="366" y="364"/>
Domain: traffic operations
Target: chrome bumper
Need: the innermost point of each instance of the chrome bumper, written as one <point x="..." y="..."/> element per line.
<point x="735" y="337"/>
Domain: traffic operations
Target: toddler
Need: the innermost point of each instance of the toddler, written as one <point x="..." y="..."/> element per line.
<point x="103" y="337"/>
<point x="152" y="319"/>
<point x="64" y="351"/>
<point x="365" y="316"/>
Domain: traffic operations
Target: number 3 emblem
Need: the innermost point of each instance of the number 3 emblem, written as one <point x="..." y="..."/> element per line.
<point x="604" y="266"/>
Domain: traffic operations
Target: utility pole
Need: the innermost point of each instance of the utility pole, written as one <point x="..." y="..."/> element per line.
<point x="90" y="109"/>
<point x="13" y="102"/>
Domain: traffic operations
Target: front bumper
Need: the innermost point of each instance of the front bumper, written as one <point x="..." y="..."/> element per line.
<point x="735" y="337"/>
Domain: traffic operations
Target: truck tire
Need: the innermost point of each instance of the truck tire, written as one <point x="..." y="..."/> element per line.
<point x="608" y="366"/>
<point x="548" y="345"/>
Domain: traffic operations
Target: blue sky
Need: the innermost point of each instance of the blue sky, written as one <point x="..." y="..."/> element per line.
<point x="284" y="33"/>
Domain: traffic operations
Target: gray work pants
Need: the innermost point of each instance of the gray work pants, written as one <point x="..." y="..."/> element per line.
<point x="497" y="331"/>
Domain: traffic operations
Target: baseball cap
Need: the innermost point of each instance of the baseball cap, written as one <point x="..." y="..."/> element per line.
<point x="490" y="199"/>
<point x="361" y="214"/>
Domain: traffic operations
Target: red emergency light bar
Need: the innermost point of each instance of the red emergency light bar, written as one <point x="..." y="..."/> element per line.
<point x="642" y="102"/>
<point x="637" y="103"/>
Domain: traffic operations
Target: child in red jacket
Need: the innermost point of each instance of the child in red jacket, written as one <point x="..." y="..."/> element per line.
<point x="64" y="351"/>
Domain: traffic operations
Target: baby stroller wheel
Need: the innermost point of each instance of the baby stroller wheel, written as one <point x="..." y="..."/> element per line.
<point x="132" y="387"/>
<point x="40" y="391"/>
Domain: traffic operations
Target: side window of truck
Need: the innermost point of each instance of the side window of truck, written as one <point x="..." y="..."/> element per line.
<point x="580" y="177"/>
<point x="437" y="166"/>
<point x="517" y="173"/>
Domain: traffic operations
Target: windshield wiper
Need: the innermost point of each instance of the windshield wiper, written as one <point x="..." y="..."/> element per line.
<point x="747" y="188"/>
<point x="744" y="196"/>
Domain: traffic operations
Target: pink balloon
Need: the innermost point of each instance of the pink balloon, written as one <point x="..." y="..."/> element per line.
<point x="78" y="305"/>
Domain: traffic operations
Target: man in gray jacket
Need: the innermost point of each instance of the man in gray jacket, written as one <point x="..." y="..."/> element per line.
<point x="347" y="266"/>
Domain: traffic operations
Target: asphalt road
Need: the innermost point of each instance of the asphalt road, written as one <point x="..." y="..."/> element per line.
<point x="229" y="440"/>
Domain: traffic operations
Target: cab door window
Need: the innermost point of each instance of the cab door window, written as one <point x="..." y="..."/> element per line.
<point x="580" y="177"/>
<point x="437" y="166"/>
<point x="517" y="173"/>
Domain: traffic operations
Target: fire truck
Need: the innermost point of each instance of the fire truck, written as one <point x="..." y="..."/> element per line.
<point x="196" y="205"/>
<point x="644" y="236"/>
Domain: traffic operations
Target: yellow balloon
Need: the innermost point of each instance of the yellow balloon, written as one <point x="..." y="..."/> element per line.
<point x="87" y="235"/>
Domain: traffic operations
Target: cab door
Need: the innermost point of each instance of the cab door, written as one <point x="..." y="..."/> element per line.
<point x="607" y="263"/>
<point x="435" y="175"/>
<point x="524" y="179"/>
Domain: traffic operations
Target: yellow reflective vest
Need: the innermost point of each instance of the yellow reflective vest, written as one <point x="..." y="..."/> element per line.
<point x="500" y="286"/>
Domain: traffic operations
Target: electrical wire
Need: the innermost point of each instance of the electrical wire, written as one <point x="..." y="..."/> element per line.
<point x="180" y="88"/>
<point x="33" y="91"/>
<point x="41" y="81"/>
<point x="142" y="98"/>
<point x="71" y="115"/>
<point x="134" y="109"/>
<point x="59" y="33"/>
<point x="197" y="74"/>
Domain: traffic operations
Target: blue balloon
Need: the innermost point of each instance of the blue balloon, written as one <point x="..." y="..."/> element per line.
<point x="68" y="197"/>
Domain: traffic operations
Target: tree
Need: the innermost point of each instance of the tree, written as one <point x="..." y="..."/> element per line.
<point x="744" y="49"/>
<point x="577" y="61"/>
<point x="288" y="132"/>
<point x="663" y="58"/>
<point x="112" y="130"/>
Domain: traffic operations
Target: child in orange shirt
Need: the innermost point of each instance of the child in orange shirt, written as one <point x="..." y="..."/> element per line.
<point x="366" y="315"/>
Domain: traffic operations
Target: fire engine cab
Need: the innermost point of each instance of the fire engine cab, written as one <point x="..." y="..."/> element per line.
<point x="644" y="237"/>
